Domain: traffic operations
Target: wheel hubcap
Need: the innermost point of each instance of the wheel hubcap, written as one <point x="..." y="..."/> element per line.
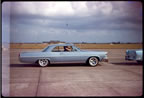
<point x="93" y="61"/>
<point x="43" y="62"/>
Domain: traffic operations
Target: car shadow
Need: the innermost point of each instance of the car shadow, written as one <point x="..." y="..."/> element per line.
<point x="68" y="65"/>
<point x="128" y="63"/>
<point x="51" y="65"/>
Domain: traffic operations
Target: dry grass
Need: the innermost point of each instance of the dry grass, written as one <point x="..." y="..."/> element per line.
<point x="110" y="46"/>
<point x="82" y="46"/>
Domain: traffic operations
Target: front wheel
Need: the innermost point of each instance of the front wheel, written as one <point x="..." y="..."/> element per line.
<point x="93" y="61"/>
<point x="43" y="62"/>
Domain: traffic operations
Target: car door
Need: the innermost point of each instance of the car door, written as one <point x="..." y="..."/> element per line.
<point x="55" y="55"/>
<point x="61" y="56"/>
<point x="72" y="56"/>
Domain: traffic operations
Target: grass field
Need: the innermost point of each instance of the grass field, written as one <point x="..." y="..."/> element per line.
<point x="82" y="46"/>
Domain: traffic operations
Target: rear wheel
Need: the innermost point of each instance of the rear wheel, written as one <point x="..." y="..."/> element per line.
<point x="43" y="62"/>
<point x="93" y="61"/>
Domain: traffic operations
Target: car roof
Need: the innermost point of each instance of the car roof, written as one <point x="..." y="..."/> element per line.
<point x="61" y="44"/>
<point x="51" y="46"/>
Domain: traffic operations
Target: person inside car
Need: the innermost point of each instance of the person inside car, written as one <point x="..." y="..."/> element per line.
<point x="66" y="48"/>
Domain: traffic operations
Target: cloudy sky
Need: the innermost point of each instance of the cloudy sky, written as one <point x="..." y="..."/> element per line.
<point x="82" y="21"/>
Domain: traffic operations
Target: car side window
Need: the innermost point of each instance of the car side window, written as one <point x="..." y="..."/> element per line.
<point x="74" y="49"/>
<point x="64" y="49"/>
<point x="58" y="49"/>
<point x="68" y="49"/>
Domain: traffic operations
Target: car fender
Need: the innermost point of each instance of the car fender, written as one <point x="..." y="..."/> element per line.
<point x="93" y="56"/>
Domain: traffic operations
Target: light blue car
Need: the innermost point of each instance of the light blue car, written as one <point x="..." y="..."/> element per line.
<point x="63" y="53"/>
<point x="134" y="55"/>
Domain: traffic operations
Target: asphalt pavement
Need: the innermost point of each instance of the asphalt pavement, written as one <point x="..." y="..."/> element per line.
<point x="114" y="78"/>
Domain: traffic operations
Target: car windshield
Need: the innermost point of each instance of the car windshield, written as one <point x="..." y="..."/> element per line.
<point x="76" y="48"/>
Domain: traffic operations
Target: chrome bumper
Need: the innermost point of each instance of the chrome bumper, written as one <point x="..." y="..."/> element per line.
<point x="105" y="59"/>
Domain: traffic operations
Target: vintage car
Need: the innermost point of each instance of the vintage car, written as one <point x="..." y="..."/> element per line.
<point x="59" y="53"/>
<point x="134" y="55"/>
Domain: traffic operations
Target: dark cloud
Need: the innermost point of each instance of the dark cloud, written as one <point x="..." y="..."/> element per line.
<point x="108" y="18"/>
